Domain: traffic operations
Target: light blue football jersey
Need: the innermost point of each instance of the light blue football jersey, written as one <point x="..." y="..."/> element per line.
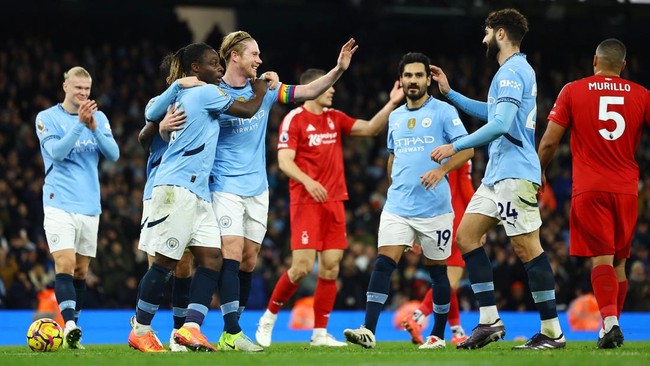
<point x="156" y="151"/>
<point x="71" y="185"/>
<point x="240" y="163"/>
<point x="190" y="155"/>
<point x="412" y="135"/>
<point x="513" y="155"/>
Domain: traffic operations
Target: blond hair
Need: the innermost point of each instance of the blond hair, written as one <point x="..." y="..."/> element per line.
<point x="76" y="71"/>
<point x="233" y="42"/>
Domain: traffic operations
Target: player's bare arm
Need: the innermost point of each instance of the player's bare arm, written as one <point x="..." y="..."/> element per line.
<point x="431" y="178"/>
<point x="439" y="77"/>
<point x="442" y="152"/>
<point x="378" y="122"/>
<point x="272" y="79"/>
<point x="286" y="162"/>
<point x="548" y="145"/>
<point x="189" y="82"/>
<point x="146" y="135"/>
<point x="320" y="85"/>
<point x="173" y="121"/>
<point x="249" y="108"/>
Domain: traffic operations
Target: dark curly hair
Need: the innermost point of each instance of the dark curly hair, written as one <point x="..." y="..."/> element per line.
<point x="511" y="20"/>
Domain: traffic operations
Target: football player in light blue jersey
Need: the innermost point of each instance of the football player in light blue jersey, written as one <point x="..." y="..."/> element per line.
<point x="507" y="194"/>
<point x="72" y="136"/>
<point x="181" y="214"/>
<point x="239" y="188"/>
<point x="150" y="138"/>
<point x="418" y="205"/>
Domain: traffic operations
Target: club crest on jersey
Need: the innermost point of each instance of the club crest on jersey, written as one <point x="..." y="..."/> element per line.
<point x="225" y="222"/>
<point x="426" y="122"/>
<point x="172" y="243"/>
<point x="411" y="123"/>
<point x="330" y="123"/>
<point x="241" y="99"/>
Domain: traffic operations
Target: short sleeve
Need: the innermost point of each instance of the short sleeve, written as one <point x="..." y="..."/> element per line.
<point x="560" y="111"/>
<point x="289" y="134"/>
<point x="453" y="126"/>
<point x="215" y="99"/>
<point x="46" y="129"/>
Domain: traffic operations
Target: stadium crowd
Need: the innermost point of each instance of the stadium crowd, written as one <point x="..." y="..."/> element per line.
<point x="125" y="76"/>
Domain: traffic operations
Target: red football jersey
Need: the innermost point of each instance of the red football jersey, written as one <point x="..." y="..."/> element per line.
<point x="462" y="190"/>
<point x="606" y="115"/>
<point x="316" y="139"/>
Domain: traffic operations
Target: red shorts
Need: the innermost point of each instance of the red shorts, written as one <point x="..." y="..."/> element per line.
<point x="456" y="258"/>
<point x="602" y="223"/>
<point x="319" y="226"/>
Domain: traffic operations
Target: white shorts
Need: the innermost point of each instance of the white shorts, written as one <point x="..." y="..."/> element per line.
<point x="179" y="219"/>
<point x="242" y="216"/>
<point x="434" y="234"/>
<point x="67" y="230"/>
<point x="513" y="201"/>
<point x="144" y="244"/>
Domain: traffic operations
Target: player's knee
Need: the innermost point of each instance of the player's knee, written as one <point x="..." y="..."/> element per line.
<point x="330" y="272"/>
<point x="248" y="264"/>
<point x="214" y="261"/>
<point x="184" y="267"/>
<point x="65" y="265"/>
<point x="300" y="270"/>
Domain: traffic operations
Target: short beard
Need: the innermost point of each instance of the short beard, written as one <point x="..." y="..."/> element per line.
<point x="417" y="96"/>
<point x="492" y="49"/>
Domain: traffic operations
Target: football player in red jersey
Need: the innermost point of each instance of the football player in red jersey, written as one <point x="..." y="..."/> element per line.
<point x="310" y="152"/>
<point x="605" y="113"/>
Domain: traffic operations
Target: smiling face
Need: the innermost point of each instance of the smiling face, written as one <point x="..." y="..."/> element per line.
<point x="249" y="59"/>
<point x="415" y="81"/>
<point x="77" y="90"/>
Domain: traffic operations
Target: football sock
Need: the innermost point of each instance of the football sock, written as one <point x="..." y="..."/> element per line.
<point x="426" y="306"/>
<point x="202" y="287"/>
<point x="151" y="293"/>
<point x="605" y="285"/>
<point x="229" y="295"/>
<point x="454" y="310"/>
<point x="620" y="299"/>
<point x="324" y="298"/>
<point x="378" y="288"/>
<point x="245" y="284"/>
<point x="65" y="295"/>
<point x="180" y="299"/>
<point x="282" y="292"/>
<point x="80" y="290"/>
<point x="442" y="293"/>
<point x="542" y="286"/>
<point x="479" y="270"/>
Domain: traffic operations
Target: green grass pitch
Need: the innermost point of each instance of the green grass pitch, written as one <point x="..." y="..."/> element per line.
<point x="386" y="353"/>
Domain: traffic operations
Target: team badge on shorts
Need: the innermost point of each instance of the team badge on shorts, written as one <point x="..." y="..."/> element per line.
<point x="172" y="243"/>
<point x="55" y="239"/>
<point x="225" y="222"/>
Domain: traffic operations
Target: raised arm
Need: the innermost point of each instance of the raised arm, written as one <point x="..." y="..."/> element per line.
<point x="472" y="107"/>
<point x="378" y="122"/>
<point x="320" y="85"/>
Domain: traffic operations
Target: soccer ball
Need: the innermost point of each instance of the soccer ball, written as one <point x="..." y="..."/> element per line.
<point x="45" y="335"/>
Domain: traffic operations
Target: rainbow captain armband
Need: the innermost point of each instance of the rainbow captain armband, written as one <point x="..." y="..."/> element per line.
<point x="285" y="93"/>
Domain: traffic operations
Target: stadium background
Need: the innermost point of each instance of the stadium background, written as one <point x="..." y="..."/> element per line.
<point x="121" y="43"/>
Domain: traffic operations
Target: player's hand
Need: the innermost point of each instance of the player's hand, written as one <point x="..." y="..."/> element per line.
<point x="271" y="78"/>
<point x="316" y="190"/>
<point x="431" y="178"/>
<point x="86" y="111"/>
<point x="189" y="82"/>
<point x="173" y="121"/>
<point x="442" y="152"/>
<point x="540" y="189"/>
<point x="260" y="87"/>
<point x="345" y="56"/>
<point x="397" y="93"/>
<point x="439" y="77"/>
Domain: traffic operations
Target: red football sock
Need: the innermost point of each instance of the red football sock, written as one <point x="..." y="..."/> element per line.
<point x="453" y="318"/>
<point x="282" y="292"/>
<point x="426" y="306"/>
<point x="620" y="299"/>
<point x="324" y="297"/>
<point x="605" y="285"/>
